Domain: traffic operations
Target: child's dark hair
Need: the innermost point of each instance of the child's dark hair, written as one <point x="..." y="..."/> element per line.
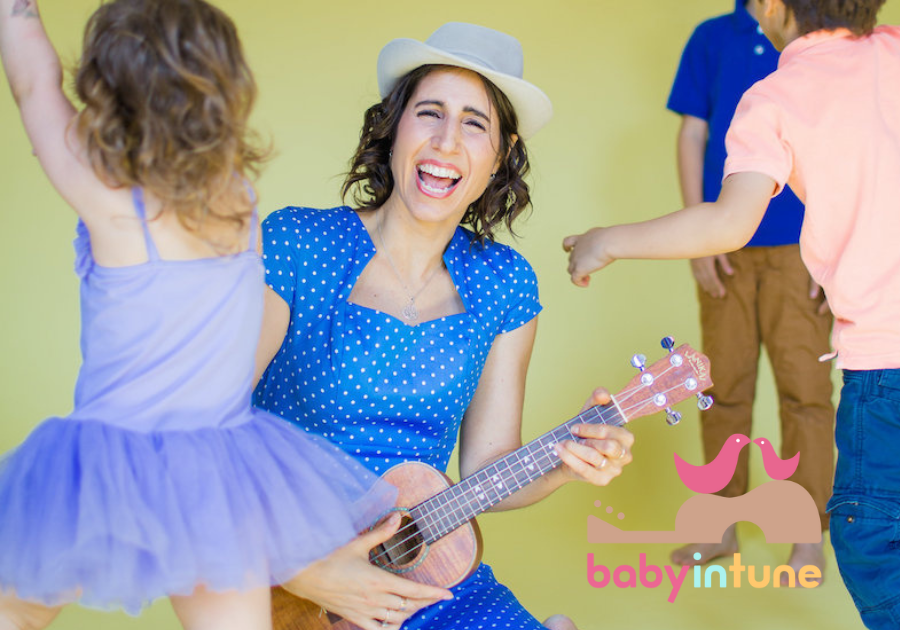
<point x="859" y="16"/>
<point x="167" y="95"/>
<point x="371" y="181"/>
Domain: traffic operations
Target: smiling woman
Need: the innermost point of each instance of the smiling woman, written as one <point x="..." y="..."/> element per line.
<point x="445" y="152"/>
<point x="391" y="327"/>
<point x="505" y="196"/>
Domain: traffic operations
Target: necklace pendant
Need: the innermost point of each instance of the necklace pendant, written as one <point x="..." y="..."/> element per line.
<point x="409" y="311"/>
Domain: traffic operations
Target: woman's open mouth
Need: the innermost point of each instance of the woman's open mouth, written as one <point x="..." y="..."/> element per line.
<point x="437" y="181"/>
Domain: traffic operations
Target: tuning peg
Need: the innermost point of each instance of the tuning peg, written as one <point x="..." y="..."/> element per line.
<point x="672" y="417"/>
<point x="704" y="402"/>
<point x="639" y="361"/>
<point x="668" y="343"/>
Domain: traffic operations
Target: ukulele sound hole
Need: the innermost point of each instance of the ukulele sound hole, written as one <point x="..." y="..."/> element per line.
<point x="403" y="551"/>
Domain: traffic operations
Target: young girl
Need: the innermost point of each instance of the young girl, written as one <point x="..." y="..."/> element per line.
<point x="163" y="481"/>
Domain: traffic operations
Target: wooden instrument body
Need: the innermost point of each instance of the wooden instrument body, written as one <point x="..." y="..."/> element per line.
<point x="445" y="563"/>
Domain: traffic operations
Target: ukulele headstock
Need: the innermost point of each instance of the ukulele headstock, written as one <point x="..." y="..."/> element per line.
<point x="679" y="375"/>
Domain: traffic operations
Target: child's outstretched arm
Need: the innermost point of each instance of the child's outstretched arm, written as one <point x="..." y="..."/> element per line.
<point x="701" y="230"/>
<point x="35" y="77"/>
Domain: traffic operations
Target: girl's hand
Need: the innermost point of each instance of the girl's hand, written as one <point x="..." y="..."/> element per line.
<point x="604" y="451"/>
<point x="346" y="584"/>
<point x="587" y="254"/>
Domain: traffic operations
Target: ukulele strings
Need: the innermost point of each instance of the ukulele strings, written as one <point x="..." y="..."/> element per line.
<point x="546" y="457"/>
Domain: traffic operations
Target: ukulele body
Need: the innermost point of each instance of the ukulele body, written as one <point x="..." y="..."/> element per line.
<point x="444" y="563"/>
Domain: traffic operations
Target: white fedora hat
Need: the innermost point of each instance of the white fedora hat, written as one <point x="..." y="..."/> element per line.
<point x="492" y="54"/>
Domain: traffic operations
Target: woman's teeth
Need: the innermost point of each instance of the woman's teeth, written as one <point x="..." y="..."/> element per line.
<point x="437" y="179"/>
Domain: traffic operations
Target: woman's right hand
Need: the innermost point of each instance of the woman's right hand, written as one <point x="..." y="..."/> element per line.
<point x="345" y="583"/>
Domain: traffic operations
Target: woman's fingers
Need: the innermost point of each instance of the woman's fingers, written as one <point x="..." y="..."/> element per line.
<point x="415" y="594"/>
<point x="378" y="534"/>
<point x="599" y="396"/>
<point x="373" y="596"/>
<point x="393" y="599"/>
<point x="600" y="455"/>
<point x="346" y="584"/>
<point x="606" y="433"/>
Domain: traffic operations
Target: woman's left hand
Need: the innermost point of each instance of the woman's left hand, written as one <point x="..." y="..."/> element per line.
<point x="603" y="452"/>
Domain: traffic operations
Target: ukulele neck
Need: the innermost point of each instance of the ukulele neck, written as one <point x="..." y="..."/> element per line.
<point x="444" y="512"/>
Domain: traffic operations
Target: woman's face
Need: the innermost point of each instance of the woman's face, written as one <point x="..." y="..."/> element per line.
<point x="446" y="146"/>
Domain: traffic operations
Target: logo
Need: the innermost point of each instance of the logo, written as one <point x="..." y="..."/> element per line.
<point x="782" y="509"/>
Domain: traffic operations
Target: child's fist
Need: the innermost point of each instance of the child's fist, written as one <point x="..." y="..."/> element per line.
<point x="587" y="254"/>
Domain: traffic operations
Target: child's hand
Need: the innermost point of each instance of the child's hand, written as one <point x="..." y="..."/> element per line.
<point x="816" y="292"/>
<point x="587" y="254"/>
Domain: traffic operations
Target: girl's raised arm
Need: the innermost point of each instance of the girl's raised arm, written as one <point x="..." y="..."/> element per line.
<point x="35" y="77"/>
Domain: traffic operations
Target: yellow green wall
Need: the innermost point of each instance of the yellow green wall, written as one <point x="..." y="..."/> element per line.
<point x="608" y="156"/>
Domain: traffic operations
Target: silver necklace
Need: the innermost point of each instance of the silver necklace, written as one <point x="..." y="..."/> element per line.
<point x="409" y="312"/>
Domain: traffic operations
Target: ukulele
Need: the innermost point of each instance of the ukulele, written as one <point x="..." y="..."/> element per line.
<point x="438" y="541"/>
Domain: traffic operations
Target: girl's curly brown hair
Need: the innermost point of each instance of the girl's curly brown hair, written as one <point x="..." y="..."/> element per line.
<point x="859" y="16"/>
<point x="167" y="95"/>
<point x="371" y="181"/>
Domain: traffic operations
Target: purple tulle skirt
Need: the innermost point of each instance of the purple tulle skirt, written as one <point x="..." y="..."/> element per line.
<point x="113" y="518"/>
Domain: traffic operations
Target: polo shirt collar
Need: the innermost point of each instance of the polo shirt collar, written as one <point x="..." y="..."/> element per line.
<point x="742" y="19"/>
<point x="809" y="40"/>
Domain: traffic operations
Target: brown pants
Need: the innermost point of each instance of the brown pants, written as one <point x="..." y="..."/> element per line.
<point x="767" y="302"/>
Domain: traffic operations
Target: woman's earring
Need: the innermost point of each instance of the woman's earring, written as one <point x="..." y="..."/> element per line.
<point x="493" y="175"/>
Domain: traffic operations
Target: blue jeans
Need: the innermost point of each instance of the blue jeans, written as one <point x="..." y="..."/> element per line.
<point x="865" y="506"/>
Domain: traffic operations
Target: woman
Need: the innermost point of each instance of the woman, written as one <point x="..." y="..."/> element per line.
<point x="390" y="327"/>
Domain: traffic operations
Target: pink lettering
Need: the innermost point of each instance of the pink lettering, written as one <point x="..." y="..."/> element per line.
<point x="592" y="571"/>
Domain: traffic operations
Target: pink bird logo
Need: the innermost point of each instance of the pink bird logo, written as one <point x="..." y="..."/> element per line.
<point x="715" y="475"/>
<point x="776" y="467"/>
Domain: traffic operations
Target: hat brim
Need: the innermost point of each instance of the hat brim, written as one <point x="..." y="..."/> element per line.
<point x="400" y="56"/>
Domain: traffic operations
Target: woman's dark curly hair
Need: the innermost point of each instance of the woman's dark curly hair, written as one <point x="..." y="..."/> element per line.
<point x="857" y="15"/>
<point x="371" y="181"/>
<point x="167" y="95"/>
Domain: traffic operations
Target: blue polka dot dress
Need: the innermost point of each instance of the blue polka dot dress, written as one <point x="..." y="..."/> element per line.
<point x="382" y="390"/>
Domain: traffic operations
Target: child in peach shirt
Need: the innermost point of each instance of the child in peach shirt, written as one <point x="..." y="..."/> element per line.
<point x="827" y="123"/>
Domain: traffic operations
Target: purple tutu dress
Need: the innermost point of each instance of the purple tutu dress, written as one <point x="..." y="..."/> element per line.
<point x="164" y="477"/>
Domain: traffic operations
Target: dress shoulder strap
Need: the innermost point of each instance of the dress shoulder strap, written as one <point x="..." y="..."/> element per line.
<point x="137" y="196"/>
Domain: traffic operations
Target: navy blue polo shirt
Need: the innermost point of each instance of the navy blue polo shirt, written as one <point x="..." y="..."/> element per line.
<point x="723" y="58"/>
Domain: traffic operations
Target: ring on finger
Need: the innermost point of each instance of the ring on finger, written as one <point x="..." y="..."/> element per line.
<point x="403" y="602"/>
<point x="602" y="463"/>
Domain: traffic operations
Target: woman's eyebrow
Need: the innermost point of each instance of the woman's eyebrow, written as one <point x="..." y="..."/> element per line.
<point x="430" y="102"/>
<point x="477" y="112"/>
<point x="468" y="109"/>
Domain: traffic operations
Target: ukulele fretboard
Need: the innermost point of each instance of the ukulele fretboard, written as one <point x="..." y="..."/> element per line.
<point x="444" y="512"/>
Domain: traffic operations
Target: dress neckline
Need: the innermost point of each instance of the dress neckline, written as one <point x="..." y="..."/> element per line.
<point x="367" y="251"/>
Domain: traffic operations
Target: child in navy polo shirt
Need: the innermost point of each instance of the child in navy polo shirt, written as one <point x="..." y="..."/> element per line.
<point x="761" y="295"/>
